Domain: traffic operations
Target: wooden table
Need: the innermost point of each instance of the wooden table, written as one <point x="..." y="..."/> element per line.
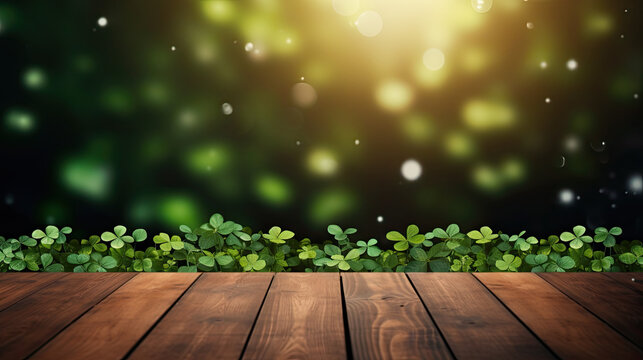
<point x="322" y="315"/>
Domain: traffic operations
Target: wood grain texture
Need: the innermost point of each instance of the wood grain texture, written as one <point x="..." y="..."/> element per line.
<point x="474" y="323"/>
<point x="626" y="279"/>
<point x="301" y="319"/>
<point x="32" y="321"/>
<point x="16" y="286"/>
<point x="616" y="304"/>
<point x="563" y="325"/>
<point x="112" y="327"/>
<point x="387" y="320"/>
<point x="212" y="320"/>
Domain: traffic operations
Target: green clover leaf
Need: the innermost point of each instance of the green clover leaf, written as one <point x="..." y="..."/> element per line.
<point x="577" y="238"/>
<point x="276" y="236"/>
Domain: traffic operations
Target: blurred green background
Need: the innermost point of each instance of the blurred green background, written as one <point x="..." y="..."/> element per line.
<point x="371" y="113"/>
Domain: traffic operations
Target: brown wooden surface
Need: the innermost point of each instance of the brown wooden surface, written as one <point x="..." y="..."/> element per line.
<point x="320" y="315"/>
<point x="14" y="287"/>
<point x="112" y="327"/>
<point x="32" y="321"/>
<point x="214" y="317"/>
<point x="474" y="323"/>
<point x="626" y="279"/>
<point x="616" y="304"/>
<point x="564" y="326"/>
<point x="300" y="319"/>
<point x="387" y="320"/>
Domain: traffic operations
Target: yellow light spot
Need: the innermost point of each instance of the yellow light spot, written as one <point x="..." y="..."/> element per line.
<point x="433" y="59"/>
<point x="417" y="128"/>
<point x="485" y="115"/>
<point x="322" y="162"/>
<point x="369" y="23"/>
<point x="459" y="145"/>
<point x="218" y="10"/>
<point x="486" y="178"/>
<point x="346" y="7"/>
<point x="394" y="95"/>
<point x="304" y="95"/>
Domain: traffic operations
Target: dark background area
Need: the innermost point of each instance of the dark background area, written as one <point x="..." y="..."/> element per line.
<point x="107" y="125"/>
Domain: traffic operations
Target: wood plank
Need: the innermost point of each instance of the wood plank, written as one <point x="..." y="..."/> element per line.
<point x="112" y="327"/>
<point x="387" y="320"/>
<point x="212" y="320"/>
<point x="16" y="286"/>
<point x="32" y="321"/>
<point x="473" y="322"/>
<point x="617" y="305"/>
<point x="626" y="279"/>
<point x="563" y="325"/>
<point x="301" y="319"/>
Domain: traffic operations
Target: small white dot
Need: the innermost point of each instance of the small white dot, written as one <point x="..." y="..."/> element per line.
<point x="622" y="36"/>
<point x="543" y="64"/>
<point x="302" y="78"/>
<point x="633" y="279"/>
<point x="566" y="196"/>
<point x="572" y="64"/>
<point x="578" y="197"/>
<point x="288" y="41"/>
<point x="249" y="46"/>
<point x="613" y="206"/>
<point x="356" y="141"/>
<point x="411" y="170"/>
<point x="173" y="48"/>
<point x="226" y="108"/>
<point x="547" y="100"/>
<point x="102" y="22"/>
<point x="626" y="11"/>
<point x="530" y="25"/>
<point x="636" y="96"/>
<point x="297" y="142"/>
<point x="381" y="218"/>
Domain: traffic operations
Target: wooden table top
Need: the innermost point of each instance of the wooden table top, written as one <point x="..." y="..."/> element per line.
<point x="321" y="316"/>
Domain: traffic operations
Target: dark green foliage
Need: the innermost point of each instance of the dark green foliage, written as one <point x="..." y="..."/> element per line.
<point x="220" y="245"/>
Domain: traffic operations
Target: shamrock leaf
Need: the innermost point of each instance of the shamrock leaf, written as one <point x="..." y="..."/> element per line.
<point x="508" y="262"/>
<point x="307" y="252"/>
<point x="451" y="235"/>
<point x="275" y="235"/>
<point x="369" y="248"/>
<point x="484" y="236"/>
<point x="49" y="236"/>
<point x="251" y="262"/>
<point x="413" y="236"/>
<point x="577" y="238"/>
<point x="167" y="244"/>
<point x="339" y="233"/>
<point x="345" y="262"/>
<point x="118" y="237"/>
<point x="602" y="235"/>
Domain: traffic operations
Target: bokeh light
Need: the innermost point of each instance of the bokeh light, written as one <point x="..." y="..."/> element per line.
<point x="304" y="112"/>
<point x="394" y="95"/>
<point x="411" y="170"/>
<point x="322" y="162"/>
<point x="369" y="23"/>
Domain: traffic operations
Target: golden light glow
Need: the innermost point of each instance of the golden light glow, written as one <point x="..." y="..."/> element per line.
<point x="369" y="23"/>
<point x="393" y="95"/>
<point x="304" y="95"/>
<point x="486" y="115"/>
<point x="322" y="162"/>
<point x="346" y="7"/>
